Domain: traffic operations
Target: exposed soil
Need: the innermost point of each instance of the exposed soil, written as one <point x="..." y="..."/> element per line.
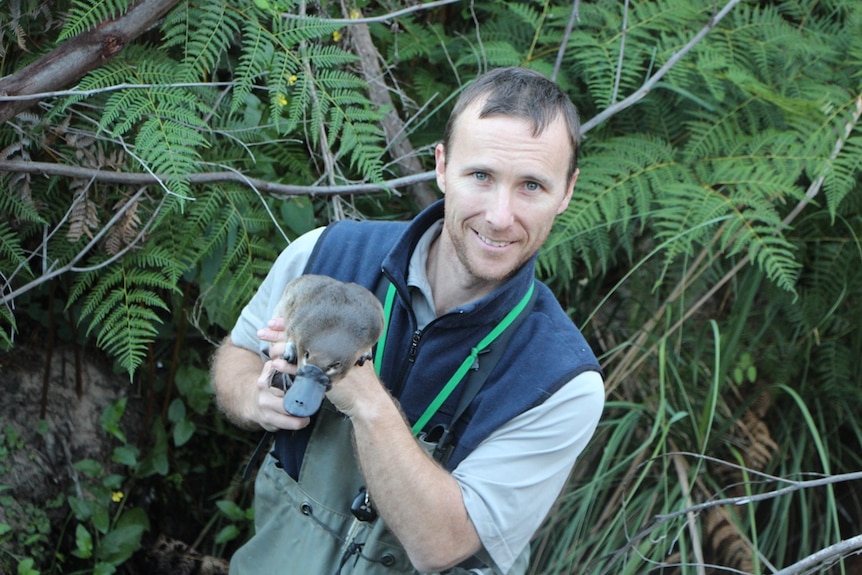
<point x="51" y="419"/>
<point x="39" y="456"/>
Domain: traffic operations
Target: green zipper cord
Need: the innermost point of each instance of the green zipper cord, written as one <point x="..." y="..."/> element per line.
<point x="461" y="372"/>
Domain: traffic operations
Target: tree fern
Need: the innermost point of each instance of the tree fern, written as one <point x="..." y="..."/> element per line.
<point x="88" y="14"/>
<point x="206" y="32"/>
<point x="224" y="227"/>
<point x="841" y="174"/>
<point x="8" y="327"/>
<point x="616" y="189"/>
<point x="120" y="302"/>
<point x="165" y="121"/>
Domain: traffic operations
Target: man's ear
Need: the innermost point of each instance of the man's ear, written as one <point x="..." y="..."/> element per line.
<point x="440" y="167"/>
<point x="569" y="191"/>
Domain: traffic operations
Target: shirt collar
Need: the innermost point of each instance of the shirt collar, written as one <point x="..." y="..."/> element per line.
<point x="417" y="276"/>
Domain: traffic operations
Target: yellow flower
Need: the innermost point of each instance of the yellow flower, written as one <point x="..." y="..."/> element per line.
<point x="292" y="80"/>
<point x="337" y="35"/>
<point x="282" y="100"/>
<point x="355" y="14"/>
<point x="117" y="496"/>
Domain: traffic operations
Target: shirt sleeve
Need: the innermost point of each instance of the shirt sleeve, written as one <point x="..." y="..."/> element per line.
<point x="511" y="480"/>
<point x="261" y="308"/>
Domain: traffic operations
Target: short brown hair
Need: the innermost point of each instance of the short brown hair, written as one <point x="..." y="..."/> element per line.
<point x="520" y="93"/>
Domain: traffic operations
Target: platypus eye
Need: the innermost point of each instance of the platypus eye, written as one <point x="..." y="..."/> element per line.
<point x="332" y="367"/>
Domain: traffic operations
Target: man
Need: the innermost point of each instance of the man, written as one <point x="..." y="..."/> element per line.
<point x="460" y="270"/>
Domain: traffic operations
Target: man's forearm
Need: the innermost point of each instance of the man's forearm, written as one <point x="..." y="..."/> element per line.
<point x="419" y="500"/>
<point x="234" y="372"/>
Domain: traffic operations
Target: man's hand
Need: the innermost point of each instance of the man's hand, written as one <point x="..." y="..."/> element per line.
<point x="359" y="390"/>
<point x="242" y="383"/>
<point x="269" y="397"/>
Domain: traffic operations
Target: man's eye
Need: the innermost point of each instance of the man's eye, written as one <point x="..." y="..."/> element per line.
<point x="481" y="176"/>
<point x="532" y="187"/>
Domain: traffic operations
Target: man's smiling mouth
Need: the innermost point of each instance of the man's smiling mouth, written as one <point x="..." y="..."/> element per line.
<point x="491" y="242"/>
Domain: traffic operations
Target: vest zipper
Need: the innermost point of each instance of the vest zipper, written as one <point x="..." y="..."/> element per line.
<point x="414" y="345"/>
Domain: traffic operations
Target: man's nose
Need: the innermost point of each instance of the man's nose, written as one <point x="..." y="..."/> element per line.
<point x="499" y="212"/>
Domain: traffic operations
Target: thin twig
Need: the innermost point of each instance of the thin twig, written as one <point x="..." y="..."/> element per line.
<point x="619" y="73"/>
<point x="382" y="18"/>
<point x="114" y="88"/>
<point x="682" y="475"/>
<point x="793" y="486"/>
<point x="575" y="17"/>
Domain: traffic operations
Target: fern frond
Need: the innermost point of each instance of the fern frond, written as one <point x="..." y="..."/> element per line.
<point x="525" y="13"/>
<point x="495" y="53"/>
<point x="120" y="306"/>
<point x="8" y="327"/>
<point x="167" y="121"/>
<point x="12" y="254"/>
<point x="841" y="174"/>
<point x="361" y="139"/>
<point x="213" y="31"/>
<point x="12" y="205"/>
<point x="223" y="235"/>
<point x="257" y="53"/>
<point x="619" y="180"/>
<point x="88" y="14"/>
<point x="291" y="32"/>
<point x="330" y="58"/>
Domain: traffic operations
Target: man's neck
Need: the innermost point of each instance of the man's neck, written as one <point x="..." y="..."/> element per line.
<point x="449" y="283"/>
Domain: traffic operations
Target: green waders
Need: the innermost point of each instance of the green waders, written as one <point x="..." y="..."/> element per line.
<point x="307" y="528"/>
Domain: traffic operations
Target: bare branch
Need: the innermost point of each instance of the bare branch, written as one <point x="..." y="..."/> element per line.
<point x="54" y="272"/>
<point x="283" y="190"/>
<point x="74" y="58"/>
<point x="623" y="32"/>
<point x="791" y="487"/>
<point x="825" y="556"/>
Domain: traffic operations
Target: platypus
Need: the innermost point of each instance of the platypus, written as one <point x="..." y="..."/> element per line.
<point x="330" y="326"/>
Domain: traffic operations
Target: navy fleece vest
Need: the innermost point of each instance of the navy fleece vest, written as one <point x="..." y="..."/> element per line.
<point x="545" y="353"/>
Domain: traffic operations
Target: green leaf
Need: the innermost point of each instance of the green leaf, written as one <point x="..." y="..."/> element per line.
<point x="111" y="418"/>
<point x="126" y="455"/>
<point x="81" y="508"/>
<point x="231" y="510"/>
<point x="177" y="410"/>
<point x="125" y="538"/>
<point x="89" y="467"/>
<point x="83" y="542"/>
<point x="25" y="567"/>
<point x="183" y="431"/>
<point x="227" y="533"/>
<point x="103" y="568"/>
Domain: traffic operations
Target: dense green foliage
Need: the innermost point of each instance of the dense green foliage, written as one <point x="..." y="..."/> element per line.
<point x="712" y="251"/>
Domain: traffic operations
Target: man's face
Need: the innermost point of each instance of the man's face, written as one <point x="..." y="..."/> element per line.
<point x="503" y="190"/>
